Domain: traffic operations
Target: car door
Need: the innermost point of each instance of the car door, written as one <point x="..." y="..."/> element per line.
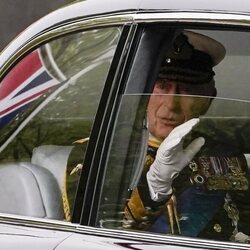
<point x="225" y="127"/>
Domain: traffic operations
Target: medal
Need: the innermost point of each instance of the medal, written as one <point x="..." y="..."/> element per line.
<point x="218" y="173"/>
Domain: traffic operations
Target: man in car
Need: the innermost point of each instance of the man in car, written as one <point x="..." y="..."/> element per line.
<point x="182" y="191"/>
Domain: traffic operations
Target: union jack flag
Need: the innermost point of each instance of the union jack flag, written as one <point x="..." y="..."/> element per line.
<point x="26" y="82"/>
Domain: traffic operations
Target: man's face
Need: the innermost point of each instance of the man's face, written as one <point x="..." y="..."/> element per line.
<point x="172" y="103"/>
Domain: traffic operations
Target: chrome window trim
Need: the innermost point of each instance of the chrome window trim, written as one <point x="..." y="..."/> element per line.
<point x="197" y="17"/>
<point x="161" y="239"/>
<point x="55" y="31"/>
<point x="133" y="236"/>
<point x="37" y="222"/>
<point x="22" y="46"/>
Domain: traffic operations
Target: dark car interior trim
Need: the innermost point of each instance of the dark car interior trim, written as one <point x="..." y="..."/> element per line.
<point x="88" y="180"/>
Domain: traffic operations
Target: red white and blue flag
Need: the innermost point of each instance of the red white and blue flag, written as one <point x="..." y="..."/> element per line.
<point x="26" y="82"/>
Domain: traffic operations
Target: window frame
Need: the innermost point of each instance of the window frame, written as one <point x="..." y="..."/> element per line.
<point x="87" y="192"/>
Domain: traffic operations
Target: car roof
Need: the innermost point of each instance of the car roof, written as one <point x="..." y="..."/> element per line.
<point x="93" y="8"/>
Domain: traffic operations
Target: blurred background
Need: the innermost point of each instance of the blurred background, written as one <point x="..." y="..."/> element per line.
<point x="16" y="15"/>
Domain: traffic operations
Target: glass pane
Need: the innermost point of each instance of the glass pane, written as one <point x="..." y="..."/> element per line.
<point x="171" y="173"/>
<point x="48" y="103"/>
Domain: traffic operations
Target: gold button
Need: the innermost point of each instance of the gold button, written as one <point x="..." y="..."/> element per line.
<point x="217" y="228"/>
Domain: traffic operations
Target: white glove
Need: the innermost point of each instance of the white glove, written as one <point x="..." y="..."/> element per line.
<point x="170" y="159"/>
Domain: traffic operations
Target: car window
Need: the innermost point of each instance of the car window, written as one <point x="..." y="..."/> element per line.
<point x="48" y="103"/>
<point x="202" y="191"/>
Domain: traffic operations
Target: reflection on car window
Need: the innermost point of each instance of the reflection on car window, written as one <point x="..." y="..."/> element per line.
<point x="194" y="179"/>
<point x="47" y="106"/>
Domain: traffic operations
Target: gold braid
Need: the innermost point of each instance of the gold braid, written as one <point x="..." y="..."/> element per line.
<point x="66" y="207"/>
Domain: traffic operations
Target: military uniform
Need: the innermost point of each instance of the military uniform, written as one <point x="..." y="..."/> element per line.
<point x="210" y="200"/>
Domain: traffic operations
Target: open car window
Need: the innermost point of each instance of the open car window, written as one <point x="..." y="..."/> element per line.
<point x="209" y="198"/>
<point x="48" y="103"/>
